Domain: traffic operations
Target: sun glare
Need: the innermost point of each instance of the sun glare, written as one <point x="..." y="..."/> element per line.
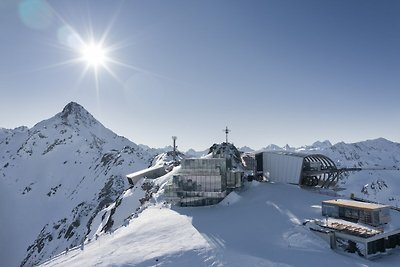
<point x="93" y="51"/>
<point x="94" y="55"/>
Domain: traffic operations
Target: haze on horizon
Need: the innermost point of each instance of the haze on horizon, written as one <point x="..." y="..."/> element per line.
<point x="282" y="72"/>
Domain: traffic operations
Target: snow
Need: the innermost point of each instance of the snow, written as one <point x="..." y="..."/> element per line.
<point x="262" y="228"/>
<point x="230" y="199"/>
<point x="129" y="202"/>
<point x="57" y="174"/>
<point x="157" y="233"/>
<point x="69" y="171"/>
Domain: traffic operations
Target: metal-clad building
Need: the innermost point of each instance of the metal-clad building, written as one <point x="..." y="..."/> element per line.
<point x="369" y="213"/>
<point x="149" y="173"/>
<point x="296" y="168"/>
<point x="282" y="167"/>
<point x="359" y="227"/>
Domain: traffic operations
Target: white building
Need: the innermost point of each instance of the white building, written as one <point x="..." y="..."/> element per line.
<point x="296" y="168"/>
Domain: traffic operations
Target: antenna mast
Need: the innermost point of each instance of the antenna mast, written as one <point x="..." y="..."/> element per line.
<point x="226" y="130"/>
<point x="174" y="147"/>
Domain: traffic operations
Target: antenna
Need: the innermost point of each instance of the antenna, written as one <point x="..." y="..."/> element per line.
<point x="174" y="147"/>
<point x="226" y="130"/>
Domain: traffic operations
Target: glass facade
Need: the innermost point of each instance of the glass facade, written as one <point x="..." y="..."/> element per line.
<point x="374" y="217"/>
<point x="199" y="182"/>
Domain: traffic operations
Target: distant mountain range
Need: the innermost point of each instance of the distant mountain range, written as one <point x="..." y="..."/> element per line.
<point x="59" y="177"/>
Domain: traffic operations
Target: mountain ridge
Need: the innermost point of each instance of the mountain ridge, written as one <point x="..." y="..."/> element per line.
<point x="65" y="170"/>
<point x="73" y="166"/>
<point x="277" y="213"/>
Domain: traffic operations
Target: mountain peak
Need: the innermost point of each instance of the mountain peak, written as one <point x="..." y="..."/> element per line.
<point x="322" y="145"/>
<point x="75" y="114"/>
<point x="72" y="108"/>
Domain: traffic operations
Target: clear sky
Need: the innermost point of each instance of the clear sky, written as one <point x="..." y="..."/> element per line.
<point x="283" y="72"/>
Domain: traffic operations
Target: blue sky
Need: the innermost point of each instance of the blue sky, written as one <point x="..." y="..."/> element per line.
<point x="283" y="72"/>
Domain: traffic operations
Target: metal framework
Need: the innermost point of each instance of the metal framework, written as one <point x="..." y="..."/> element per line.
<point x="319" y="170"/>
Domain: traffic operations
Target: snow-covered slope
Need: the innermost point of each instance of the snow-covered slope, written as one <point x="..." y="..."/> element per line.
<point x="380" y="160"/>
<point x="55" y="178"/>
<point x="377" y="153"/>
<point x="259" y="226"/>
<point x="62" y="182"/>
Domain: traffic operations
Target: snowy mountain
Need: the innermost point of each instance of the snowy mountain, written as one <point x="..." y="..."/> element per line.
<point x="55" y="178"/>
<point x="64" y="196"/>
<point x="380" y="160"/>
<point x="246" y="149"/>
<point x="196" y="154"/>
<point x="258" y="226"/>
<point x="272" y="147"/>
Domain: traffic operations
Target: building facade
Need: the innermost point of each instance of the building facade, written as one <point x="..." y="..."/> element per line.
<point x="203" y="181"/>
<point x="368" y="213"/>
<point x="149" y="173"/>
<point x="358" y="227"/>
<point x="296" y="168"/>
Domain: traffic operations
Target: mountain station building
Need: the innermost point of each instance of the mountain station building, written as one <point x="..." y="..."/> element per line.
<point x="359" y="227"/>
<point x="296" y="168"/>
<point x="203" y="181"/>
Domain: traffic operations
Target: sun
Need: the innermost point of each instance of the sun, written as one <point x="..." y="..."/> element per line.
<point x="94" y="52"/>
<point x="94" y="55"/>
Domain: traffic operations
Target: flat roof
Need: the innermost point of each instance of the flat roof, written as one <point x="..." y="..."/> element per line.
<point x="144" y="171"/>
<point x="355" y="204"/>
<point x="286" y="153"/>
